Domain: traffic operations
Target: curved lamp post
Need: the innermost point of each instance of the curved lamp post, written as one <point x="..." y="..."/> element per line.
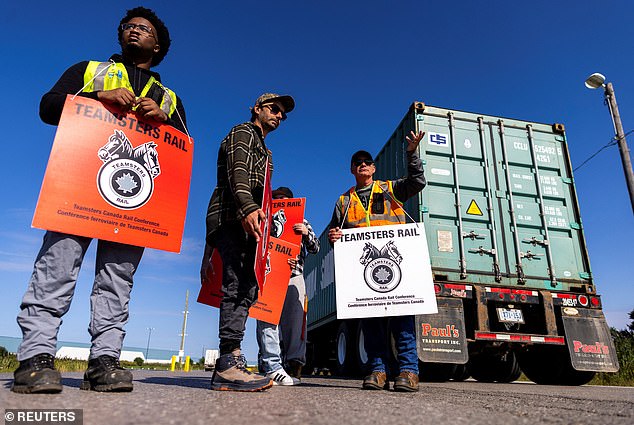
<point x="595" y="81"/>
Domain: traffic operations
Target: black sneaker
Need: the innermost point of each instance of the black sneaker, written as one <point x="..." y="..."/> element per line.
<point x="231" y="374"/>
<point x="37" y="375"/>
<point x="106" y="374"/>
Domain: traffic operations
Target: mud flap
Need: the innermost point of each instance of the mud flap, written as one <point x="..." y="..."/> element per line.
<point x="589" y="341"/>
<point x="440" y="338"/>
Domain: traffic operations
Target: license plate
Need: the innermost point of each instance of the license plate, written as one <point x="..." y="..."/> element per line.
<point x="510" y="315"/>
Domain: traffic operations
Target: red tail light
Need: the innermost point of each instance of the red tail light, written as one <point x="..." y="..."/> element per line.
<point x="583" y="300"/>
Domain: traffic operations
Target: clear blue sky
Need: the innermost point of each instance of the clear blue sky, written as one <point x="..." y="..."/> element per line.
<point x="354" y="68"/>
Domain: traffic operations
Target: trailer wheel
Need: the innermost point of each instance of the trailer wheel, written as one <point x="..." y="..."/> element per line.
<point x="550" y="365"/>
<point x="461" y="373"/>
<point x="436" y="372"/>
<point x="345" y="348"/>
<point x="309" y="366"/>
<point x="495" y="367"/>
<point x="361" y="355"/>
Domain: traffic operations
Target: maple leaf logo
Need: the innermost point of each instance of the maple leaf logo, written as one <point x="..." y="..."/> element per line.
<point x="126" y="183"/>
<point x="382" y="274"/>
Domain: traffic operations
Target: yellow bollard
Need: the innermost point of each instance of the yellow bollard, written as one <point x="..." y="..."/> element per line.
<point x="187" y="359"/>
<point x="173" y="366"/>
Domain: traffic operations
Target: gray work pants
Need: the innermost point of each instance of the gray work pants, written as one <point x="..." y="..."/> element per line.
<point x="52" y="286"/>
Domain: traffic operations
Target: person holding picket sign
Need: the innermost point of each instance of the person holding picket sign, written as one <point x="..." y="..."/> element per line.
<point x="378" y="203"/>
<point x="234" y="216"/>
<point x="284" y="364"/>
<point x="125" y="84"/>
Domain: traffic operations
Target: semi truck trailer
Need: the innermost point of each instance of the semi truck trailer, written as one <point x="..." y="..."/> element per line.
<point x="510" y="265"/>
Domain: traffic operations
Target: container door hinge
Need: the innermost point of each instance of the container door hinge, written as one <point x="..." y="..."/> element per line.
<point x="566" y="180"/>
<point x="575" y="226"/>
<point x="584" y="275"/>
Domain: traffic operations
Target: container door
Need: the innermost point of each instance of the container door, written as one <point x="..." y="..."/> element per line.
<point x="540" y="227"/>
<point x="461" y="225"/>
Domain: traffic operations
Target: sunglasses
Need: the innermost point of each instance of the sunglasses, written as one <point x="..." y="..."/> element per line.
<point x="358" y="162"/>
<point x="275" y="110"/>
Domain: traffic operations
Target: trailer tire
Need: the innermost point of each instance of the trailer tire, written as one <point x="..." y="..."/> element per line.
<point x="495" y="367"/>
<point x="361" y="355"/>
<point x="436" y="372"/>
<point x="345" y="348"/>
<point x="550" y="365"/>
<point x="461" y="373"/>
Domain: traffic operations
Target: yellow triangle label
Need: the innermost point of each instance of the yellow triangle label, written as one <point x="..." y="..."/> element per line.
<point x="474" y="209"/>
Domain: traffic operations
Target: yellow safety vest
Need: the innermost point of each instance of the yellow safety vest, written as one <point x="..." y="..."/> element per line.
<point x="383" y="207"/>
<point x="110" y="76"/>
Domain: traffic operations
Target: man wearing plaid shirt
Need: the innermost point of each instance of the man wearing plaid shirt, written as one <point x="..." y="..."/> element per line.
<point x="233" y="228"/>
<point x="292" y="327"/>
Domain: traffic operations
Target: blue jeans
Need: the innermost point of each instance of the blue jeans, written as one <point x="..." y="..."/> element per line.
<point x="376" y="340"/>
<point x="270" y="353"/>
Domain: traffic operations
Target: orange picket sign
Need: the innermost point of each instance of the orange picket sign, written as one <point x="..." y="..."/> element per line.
<point x="261" y="251"/>
<point x="211" y="285"/>
<point x="111" y="176"/>
<point x="270" y="301"/>
<point x="286" y="213"/>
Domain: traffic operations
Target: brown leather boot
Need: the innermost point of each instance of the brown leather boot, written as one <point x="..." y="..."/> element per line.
<point x="377" y="380"/>
<point x="406" y="381"/>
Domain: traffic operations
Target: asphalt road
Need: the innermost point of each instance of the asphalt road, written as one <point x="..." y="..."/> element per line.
<point x="185" y="398"/>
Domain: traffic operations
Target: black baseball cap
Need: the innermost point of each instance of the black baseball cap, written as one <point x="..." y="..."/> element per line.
<point x="361" y="155"/>
<point x="282" y="191"/>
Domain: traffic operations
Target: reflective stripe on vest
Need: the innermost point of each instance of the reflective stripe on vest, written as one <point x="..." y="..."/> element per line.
<point x="116" y="76"/>
<point x="358" y="216"/>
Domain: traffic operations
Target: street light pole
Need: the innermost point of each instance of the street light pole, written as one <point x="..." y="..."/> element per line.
<point x="595" y="81"/>
<point x="147" y="349"/>
<point x="620" y="134"/>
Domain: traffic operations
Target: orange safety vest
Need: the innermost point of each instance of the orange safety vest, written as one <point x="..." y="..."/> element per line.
<point x="383" y="208"/>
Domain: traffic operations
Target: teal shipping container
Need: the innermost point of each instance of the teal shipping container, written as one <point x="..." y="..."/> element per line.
<point x="508" y="255"/>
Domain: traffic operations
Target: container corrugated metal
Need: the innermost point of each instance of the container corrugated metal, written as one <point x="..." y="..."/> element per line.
<point x="499" y="208"/>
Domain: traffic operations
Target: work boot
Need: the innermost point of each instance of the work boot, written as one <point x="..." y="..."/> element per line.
<point x="406" y="381"/>
<point x="105" y="374"/>
<point x="294" y="368"/>
<point x="37" y="375"/>
<point x="377" y="380"/>
<point x="231" y="374"/>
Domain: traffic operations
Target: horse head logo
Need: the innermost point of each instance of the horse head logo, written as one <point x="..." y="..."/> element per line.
<point x="118" y="146"/>
<point x="279" y="219"/>
<point x="370" y="252"/>
<point x="390" y="251"/>
<point x="147" y="155"/>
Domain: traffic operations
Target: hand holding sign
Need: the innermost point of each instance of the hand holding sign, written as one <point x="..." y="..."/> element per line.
<point x="251" y="224"/>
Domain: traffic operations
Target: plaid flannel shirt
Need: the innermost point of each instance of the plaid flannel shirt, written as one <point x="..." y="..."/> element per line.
<point x="242" y="162"/>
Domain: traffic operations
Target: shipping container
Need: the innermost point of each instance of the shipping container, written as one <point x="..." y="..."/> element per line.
<point x="510" y="265"/>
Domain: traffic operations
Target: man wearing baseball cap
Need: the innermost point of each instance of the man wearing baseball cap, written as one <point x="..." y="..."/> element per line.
<point x="380" y="203"/>
<point x="233" y="228"/>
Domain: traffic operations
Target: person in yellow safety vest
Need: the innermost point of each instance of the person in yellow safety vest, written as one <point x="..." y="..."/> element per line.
<point x="378" y="203"/>
<point x="124" y="84"/>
